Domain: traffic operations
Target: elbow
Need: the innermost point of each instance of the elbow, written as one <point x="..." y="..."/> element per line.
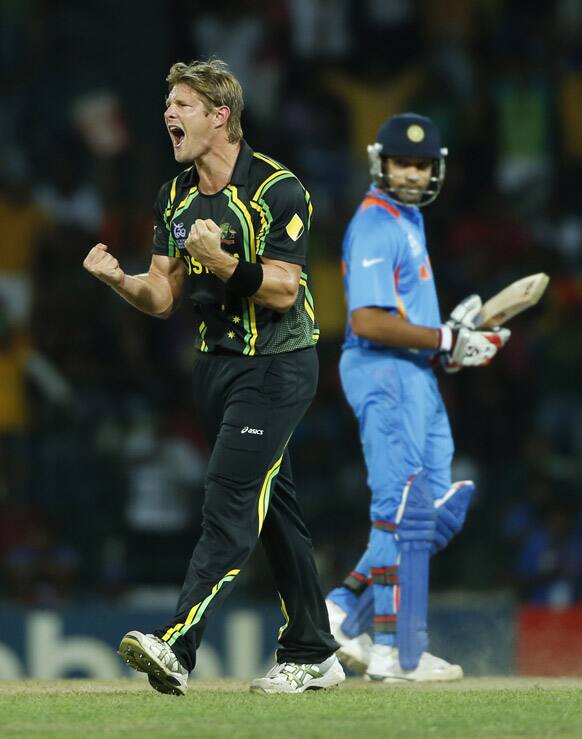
<point x="361" y="321"/>
<point x="285" y="305"/>
<point x="164" y="316"/>
<point x="358" y="325"/>
<point x="174" y="301"/>
<point x="286" y="299"/>
<point x="166" y="312"/>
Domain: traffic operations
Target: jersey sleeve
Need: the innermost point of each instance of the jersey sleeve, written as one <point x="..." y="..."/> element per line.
<point x="374" y="242"/>
<point x="286" y="214"/>
<point x="163" y="242"/>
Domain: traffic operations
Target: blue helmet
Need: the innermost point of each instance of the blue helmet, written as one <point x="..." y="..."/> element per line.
<point x="408" y="135"/>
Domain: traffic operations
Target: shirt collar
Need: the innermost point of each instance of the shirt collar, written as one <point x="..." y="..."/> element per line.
<point x="411" y="211"/>
<point x="240" y="174"/>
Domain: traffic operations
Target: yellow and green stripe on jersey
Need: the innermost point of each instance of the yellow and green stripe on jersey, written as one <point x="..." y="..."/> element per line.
<point x="295" y="226"/>
<point x="308" y="303"/>
<point x="309" y="306"/>
<point x="238" y="207"/>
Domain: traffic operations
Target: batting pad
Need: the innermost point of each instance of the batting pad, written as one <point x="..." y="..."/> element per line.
<point x="416" y="522"/>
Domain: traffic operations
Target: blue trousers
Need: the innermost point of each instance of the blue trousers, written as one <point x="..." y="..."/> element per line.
<point x="403" y="426"/>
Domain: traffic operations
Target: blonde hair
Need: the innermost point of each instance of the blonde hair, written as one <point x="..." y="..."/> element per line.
<point x="216" y="84"/>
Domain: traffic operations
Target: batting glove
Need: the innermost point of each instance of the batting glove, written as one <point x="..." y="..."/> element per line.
<point x="465" y="313"/>
<point x="466" y="348"/>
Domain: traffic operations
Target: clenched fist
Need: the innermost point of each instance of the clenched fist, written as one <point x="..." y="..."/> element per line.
<point x="104" y="266"/>
<point x="203" y="242"/>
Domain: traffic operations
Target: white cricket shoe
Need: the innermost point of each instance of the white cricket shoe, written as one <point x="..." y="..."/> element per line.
<point x="147" y="653"/>
<point x="353" y="653"/>
<point x="385" y="667"/>
<point x="291" y="677"/>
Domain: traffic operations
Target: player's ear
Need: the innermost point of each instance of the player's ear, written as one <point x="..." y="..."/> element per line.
<point x="221" y="116"/>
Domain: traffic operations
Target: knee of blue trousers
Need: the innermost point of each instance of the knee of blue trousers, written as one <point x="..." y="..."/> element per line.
<point x="386" y="480"/>
<point x="385" y="498"/>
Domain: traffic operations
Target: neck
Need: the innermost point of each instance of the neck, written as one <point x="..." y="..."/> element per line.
<point x="215" y="167"/>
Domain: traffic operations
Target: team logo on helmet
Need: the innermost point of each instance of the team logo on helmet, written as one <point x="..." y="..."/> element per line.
<point x="404" y="136"/>
<point x="415" y="133"/>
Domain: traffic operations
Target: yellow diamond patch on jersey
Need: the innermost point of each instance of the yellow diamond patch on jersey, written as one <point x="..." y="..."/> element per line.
<point x="415" y="133"/>
<point x="295" y="227"/>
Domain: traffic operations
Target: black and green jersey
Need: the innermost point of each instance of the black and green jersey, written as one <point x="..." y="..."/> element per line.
<point x="263" y="211"/>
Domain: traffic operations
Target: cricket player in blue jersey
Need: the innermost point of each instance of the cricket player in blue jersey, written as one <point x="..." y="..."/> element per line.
<point x="394" y="337"/>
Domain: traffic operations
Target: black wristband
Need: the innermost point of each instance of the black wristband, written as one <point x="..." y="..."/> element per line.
<point x="246" y="279"/>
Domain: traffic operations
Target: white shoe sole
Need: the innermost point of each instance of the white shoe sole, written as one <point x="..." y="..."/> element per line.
<point x="136" y="655"/>
<point x="455" y="672"/>
<point x="332" y="679"/>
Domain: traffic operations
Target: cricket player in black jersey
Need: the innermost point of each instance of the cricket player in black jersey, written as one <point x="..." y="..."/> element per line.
<point x="231" y="231"/>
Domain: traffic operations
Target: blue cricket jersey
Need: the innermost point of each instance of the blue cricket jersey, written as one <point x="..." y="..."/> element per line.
<point x="386" y="265"/>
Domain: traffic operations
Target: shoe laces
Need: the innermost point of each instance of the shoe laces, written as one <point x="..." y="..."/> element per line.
<point x="166" y="655"/>
<point x="294" y="673"/>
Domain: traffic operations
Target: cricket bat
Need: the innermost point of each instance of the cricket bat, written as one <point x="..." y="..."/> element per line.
<point x="513" y="299"/>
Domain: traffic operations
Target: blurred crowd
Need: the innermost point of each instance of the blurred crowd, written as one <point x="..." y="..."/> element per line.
<point x="101" y="458"/>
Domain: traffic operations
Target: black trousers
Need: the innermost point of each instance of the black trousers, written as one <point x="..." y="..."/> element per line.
<point x="249" y="407"/>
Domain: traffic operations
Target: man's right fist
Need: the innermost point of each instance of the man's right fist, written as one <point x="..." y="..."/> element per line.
<point x="105" y="267"/>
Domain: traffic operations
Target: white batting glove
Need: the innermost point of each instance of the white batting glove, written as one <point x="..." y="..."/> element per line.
<point x="466" y="348"/>
<point x="465" y="313"/>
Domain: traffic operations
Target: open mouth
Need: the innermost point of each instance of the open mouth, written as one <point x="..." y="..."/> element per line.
<point x="177" y="134"/>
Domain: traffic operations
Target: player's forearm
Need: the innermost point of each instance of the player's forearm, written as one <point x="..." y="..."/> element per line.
<point x="148" y="293"/>
<point x="279" y="286"/>
<point x="382" y="327"/>
<point x="156" y="293"/>
<point x="278" y="290"/>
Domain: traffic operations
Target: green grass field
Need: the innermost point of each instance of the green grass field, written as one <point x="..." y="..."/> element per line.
<point x="483" y="707"/>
